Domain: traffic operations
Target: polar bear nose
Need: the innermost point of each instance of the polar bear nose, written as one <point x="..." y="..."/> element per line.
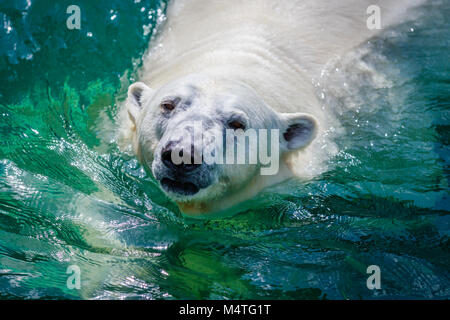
<point x="166" y="157"/>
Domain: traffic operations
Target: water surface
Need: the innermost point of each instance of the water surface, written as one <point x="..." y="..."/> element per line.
<point x="68" y="196"/>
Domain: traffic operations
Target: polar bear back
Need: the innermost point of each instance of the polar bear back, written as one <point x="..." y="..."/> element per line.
<point x="277" y="47"/>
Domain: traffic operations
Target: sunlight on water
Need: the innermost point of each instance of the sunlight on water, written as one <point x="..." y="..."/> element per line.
<point x="69" y="197"/>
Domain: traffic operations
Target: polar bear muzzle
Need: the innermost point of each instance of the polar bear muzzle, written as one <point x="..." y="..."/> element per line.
<point x="183" y="188"/>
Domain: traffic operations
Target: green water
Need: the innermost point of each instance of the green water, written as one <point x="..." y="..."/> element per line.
<point x="68" y="196"/>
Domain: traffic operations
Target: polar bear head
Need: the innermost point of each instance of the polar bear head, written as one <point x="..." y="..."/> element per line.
<point x="183" y="133"/>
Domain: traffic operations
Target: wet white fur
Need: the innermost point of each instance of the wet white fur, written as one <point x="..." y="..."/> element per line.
<point x="277" y="47"/>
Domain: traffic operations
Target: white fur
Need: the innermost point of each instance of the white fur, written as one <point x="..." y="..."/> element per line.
<point x="277" y="48"/>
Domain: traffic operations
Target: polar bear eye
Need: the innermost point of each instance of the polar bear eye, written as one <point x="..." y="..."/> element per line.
<point x="168" y="105"/>
<point x="236" y="124"/>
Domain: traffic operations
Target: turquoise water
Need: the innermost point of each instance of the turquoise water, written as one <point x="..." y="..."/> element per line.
<point x="68" y="196"/>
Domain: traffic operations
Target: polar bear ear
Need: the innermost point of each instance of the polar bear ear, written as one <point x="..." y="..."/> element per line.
<point x="136" y="94"/>
<point x="299" y="130"/>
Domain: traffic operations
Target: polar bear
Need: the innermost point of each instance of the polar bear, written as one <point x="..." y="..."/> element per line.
<point x="240" y="65"/>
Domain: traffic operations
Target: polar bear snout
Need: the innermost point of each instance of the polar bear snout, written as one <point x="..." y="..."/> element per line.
<point x="180" y="169"/>
<point x="168" y="160"/>
<point x="179" y="187"/>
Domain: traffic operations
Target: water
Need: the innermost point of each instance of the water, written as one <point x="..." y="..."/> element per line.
<point x="69" y="197"/>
